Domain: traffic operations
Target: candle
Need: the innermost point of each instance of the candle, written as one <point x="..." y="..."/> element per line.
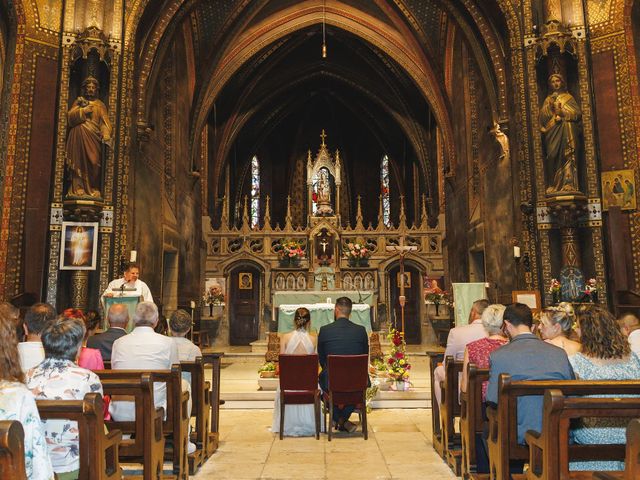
<point x="133" y="256"/>
<point x="516" y="251"/>
<point x="193" y="304"/>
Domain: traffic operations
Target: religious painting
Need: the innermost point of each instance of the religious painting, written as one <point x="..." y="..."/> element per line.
<point x="405" y="278"/>
<point x="618" y="190"/>
<point x="245" y="281"/>
<point x="79" y="246"/>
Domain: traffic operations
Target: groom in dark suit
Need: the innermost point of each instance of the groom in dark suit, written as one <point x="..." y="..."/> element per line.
<point x="342" y="337"/>
<point x="118" y="317"/>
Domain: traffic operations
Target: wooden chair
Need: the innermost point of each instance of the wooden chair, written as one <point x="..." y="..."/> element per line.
<point x="99" y="451"/>
<point x="471" y="419"/>
<point x="176" y="424"/>
<point x="503" y="420"/>
<point x="201" y="411"/>
<point x="632" y="457"/>
<point x="347" y="383"/>
<point x="435" y="358"/>
<point x="299" y="385"/>
<point x="12" y="450"/>
<point x="146" y="446"/>
<point x="549" y="450"/>
<point x="213" y="360"/>
<point x="449" y="411"/>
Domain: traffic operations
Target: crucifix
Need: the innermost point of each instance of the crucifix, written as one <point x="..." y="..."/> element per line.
<point x="402" y="250"/>
<point x="324" y="244"/>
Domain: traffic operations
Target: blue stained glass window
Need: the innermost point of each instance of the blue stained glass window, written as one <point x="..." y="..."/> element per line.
<point x="255" y="192"/>
<point x="384" y="190"/>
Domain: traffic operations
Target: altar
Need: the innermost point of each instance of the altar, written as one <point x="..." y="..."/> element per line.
<point x="321" y="304"/>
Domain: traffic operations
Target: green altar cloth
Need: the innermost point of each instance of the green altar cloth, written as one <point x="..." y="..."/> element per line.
<point x="464" y="294"/>
<point x="309" y="297"/>
<point x="322" y="314"/>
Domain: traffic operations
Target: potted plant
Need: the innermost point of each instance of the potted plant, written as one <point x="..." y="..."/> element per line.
<point x="267" y="370"/>
<point x="289" y="252"/>
<point x="554" y="290"/>
<point x="438" y="298"/>
<point x="591" y="290"/>
<point x="357" y="254"/>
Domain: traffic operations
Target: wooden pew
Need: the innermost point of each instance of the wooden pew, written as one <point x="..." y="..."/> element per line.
<point x="449" y="410"/>
<point x="146" y="446"/>
<point x="98" y="450"/>
<point x="213" y="360"/>
<point x="632" y="457"/>
<point x="503" y="435"/>
<point x="201" y="411"/>
<point x="12" y="450"/>
<point x="549" y="450"/>
<point x="176" y="424"/>
<point x="436" y="433"/>
<point x="471" y="419"/>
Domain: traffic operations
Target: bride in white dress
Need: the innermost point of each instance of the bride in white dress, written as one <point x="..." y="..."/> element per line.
<point x="299" y="420"/>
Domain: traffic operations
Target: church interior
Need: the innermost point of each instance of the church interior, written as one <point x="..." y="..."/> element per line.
<point x="250" y="157"/>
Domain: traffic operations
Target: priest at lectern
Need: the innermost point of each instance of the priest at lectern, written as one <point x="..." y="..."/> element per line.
<point x="129" y="286"/>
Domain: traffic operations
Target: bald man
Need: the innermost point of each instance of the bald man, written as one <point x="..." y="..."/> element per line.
<point x="630" y="326"/>
<point x="118" y="317"/>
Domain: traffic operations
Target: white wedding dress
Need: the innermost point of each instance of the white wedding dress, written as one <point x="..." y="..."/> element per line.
<point x="299" y="420"/>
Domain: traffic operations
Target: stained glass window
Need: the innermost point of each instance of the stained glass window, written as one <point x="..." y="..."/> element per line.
<point x="384" y="190"/>
<point x="255" y="192"/>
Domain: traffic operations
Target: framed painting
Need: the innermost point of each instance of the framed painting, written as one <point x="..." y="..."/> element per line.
<point x="79" y="249"/>
<point x="406" y="277"/>
<point x="531" y="298"/>
<point x="245" y="281"/>
<point x="618" y="190"/>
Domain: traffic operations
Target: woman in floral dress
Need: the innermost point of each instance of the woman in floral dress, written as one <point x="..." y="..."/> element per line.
<point x="17" y="403"/>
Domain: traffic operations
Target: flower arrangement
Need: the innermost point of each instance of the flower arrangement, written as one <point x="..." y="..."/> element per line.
<point x="438" y="298"/>
<point x="398" y="365"/>
<point x="290" y="249"/>
<point x="213" y="296"/>
<point x="591" y="286"/>
<point x="554" y="287"/>
<point x="356" y="251"/>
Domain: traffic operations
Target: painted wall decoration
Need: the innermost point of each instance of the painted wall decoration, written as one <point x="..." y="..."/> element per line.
<point x="618" y="190"/>
<point x="79" y="246"/>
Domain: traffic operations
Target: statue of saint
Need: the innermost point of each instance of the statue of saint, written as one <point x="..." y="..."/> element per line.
<point x="323" y="193"/>
<point x="89" y="129"/>
<point x="560" y="125"/>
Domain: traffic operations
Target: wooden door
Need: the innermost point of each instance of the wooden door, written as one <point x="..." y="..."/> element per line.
<point x="244" y="312"/>
<point x="413" y="295"/>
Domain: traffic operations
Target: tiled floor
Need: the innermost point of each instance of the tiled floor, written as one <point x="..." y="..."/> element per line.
<point x="399" y="447"/>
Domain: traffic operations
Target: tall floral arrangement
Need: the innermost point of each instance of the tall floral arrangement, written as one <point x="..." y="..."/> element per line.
<point x="290" y="249"/>
<point x="397" y="363"/>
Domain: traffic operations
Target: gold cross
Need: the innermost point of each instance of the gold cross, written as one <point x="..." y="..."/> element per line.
<point x="323" y="136"/>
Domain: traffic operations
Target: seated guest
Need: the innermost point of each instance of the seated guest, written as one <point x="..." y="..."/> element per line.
<point x="179" y="325"/>
<point x="59" y="377"/>
<point x="118" y="317"/>
<point x="93" y="318"/>
<point x="31" y="351"/>
<point x="605" y="355"/>
<point x="630" y="326"/>
<point x="17" y="403"/>
<point x="556" y="325"/>
<point x="90" y="358"/>
<point x="525" y="357"/>
<point x="142" y="349"/>
<point x="341" y="337"/>
<point x="12" y="313"/>
<point x="457" y="341"/>
<point x="478" y="352"/>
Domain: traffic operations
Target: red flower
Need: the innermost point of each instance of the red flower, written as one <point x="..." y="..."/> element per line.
<point x="397" y="341"/>
<point x="390" y="361"/>
<point x="399" y="355"/>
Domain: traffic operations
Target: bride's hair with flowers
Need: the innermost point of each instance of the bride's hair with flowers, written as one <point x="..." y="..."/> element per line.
<point x="562" y="314"/>
<point x="301" y="318"/>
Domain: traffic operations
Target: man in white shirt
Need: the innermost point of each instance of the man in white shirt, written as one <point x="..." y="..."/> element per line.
<point x="458" y="339"/>
<point x="143" y="349"/>
<point x="129" y="285"/>
<point x="630" y="326"/>
<point x="31" y="351"/>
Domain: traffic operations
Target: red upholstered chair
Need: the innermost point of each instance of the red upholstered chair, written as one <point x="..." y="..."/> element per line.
<point x="299" y="385"/>
<point x="348" y="377"/>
